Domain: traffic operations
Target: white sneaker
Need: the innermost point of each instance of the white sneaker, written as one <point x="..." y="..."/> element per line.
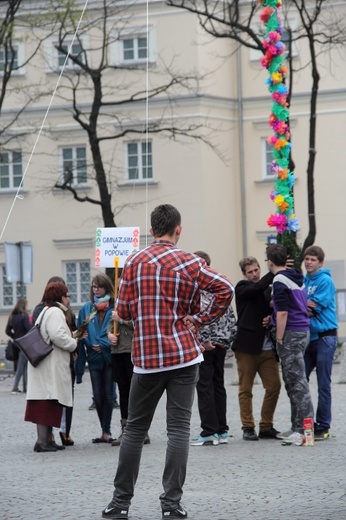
<point x="295" y="438"/>
<point x="284" y="435"/>
<point x="223" y="438"/>
<point x="210" y="440"/>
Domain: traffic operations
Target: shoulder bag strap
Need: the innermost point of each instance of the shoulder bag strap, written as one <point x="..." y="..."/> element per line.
<point x="39" y="323"/>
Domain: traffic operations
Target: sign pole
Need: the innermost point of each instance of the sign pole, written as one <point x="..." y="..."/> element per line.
<point x="116" y="279"/>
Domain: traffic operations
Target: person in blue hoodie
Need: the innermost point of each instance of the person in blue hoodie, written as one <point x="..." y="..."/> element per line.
<point x="291" y="322"/>
<point x="320" y="352"/>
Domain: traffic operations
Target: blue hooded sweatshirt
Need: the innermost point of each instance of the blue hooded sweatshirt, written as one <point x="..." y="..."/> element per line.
<point x="321" y="290"/>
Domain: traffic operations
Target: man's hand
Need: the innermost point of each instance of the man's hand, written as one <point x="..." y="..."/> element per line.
<point x="190" y="323"/>
<point x="113" y="338"/>
<point x="207" y="345"/>
<point x="311" y="308"/>
<point x="266" y="321"/>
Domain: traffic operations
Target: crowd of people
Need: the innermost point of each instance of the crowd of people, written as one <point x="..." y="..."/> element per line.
<point x="168" y="332"/>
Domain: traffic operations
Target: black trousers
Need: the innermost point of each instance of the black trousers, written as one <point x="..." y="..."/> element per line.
<point x="122" y="370"/>
<point x="212" y="398"/>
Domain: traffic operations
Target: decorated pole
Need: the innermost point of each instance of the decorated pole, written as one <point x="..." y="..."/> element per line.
<point x="284" y="219"/>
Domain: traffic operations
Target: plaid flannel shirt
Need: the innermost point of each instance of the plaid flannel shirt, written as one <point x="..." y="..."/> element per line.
<point x="159" y="286"/>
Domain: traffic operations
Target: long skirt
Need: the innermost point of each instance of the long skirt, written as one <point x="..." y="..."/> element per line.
<point x="47" y="412"/>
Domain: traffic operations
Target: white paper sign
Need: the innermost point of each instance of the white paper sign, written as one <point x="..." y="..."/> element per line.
<point x="114" y="243"/>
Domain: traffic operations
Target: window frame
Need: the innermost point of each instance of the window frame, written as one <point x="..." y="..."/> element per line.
<point x="74" y="160"/>
<point x="70" y="65"/>
<point x="19" y="48"/>
<point x="266" y="149"/>
<point x="140" y="166"/>
<point x="16" y="290"/>
<point x="51" y="54"/>
<point x="135" y="34"/>
<point x="11" y="165"/>
<point x="256" y="55"/>
<point x="79" y="301"/>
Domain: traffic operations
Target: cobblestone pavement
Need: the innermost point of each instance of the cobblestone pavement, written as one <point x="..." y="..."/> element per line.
<point x="261" y="480"/>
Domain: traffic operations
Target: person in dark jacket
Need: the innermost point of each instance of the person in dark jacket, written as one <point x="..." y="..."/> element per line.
<point x="254" y="349"/>
<point x="216" y="339"/>
<point x="17" y="326"/>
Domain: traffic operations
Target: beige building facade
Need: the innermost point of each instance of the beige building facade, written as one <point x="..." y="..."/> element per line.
<point x="219" y="183"/>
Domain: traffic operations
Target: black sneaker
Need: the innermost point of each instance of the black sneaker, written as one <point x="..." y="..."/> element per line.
<point x="322" y="435"/>
<point x="250" y="434"/>
<point x="179" y="512"/>
<point x="117" y="513"/>
<point x="268" y="434"/>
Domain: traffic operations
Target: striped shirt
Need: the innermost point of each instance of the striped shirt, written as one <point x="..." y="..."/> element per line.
<point x="159" y="286"/>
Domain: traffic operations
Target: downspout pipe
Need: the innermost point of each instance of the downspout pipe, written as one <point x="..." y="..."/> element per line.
<point x="241" y="151"/>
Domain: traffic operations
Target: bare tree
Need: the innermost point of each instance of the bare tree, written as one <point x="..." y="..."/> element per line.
<point x="319" y="26"/>
<point x="96" y="91"/>
<point x="13" y="15"/>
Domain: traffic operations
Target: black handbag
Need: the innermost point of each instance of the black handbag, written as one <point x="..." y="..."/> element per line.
<point x="11" y="351"/>
<point x="33" y="346"/>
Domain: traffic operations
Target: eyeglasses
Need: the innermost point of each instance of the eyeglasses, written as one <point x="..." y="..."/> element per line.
<point x="67" y="295"/>
<point x="97" y="287"/>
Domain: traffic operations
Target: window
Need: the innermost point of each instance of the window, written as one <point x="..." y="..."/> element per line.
<point x="134" y="46"/>
<point x="139" y="161"/>
<point x="74" y="167"/>
<point x="9" y="292"/>
<point x="285" y="38"/>
<point x="11" y="170"/>
<point x="76" y="50"/>
<point x="135" y="49"/>
<point x="78" y="280"/>
<point x="256" y="55"/>
<point x="267" y="158"/>
<point x="6" y="61"/>
<point x="17" y="53"/>
<point x="55" y="58"/>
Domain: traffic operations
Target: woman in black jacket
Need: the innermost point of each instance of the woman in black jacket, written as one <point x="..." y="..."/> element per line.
<point x="18" y="325"/>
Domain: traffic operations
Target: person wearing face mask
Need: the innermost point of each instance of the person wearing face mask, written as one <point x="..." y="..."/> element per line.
<point x="94" y="317"/>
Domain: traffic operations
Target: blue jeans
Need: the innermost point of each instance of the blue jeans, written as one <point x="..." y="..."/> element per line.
<point x="145" y="393"/>
<point x="21" y="372"/>
<point x="320" y="355"/>
<point x="102" y="386"/>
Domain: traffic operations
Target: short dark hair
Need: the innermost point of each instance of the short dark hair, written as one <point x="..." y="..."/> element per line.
<point x="102" y="280"/>
<point x="164" y="219"/>
<point x="246" y="262"/>
<point x="315" y="251"/>
<point x="54" y="292"/>
<point x="204" y="255"/>
<point x="277" y="254"/>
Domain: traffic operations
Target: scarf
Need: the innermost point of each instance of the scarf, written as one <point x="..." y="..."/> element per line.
<point x="102" y="304"/>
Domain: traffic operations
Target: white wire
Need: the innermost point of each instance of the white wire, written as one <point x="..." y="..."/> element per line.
<point x="146" y="129"/>
<point x="17" y="196"/>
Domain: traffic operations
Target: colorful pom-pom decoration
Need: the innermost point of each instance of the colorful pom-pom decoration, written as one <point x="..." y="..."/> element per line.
<point x="273" y="60"/>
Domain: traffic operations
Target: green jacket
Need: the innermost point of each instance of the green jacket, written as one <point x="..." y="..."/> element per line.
<point x="124" y="344"/>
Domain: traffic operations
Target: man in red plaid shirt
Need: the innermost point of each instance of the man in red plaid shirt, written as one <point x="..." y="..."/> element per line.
<point x="160" y="291"/>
